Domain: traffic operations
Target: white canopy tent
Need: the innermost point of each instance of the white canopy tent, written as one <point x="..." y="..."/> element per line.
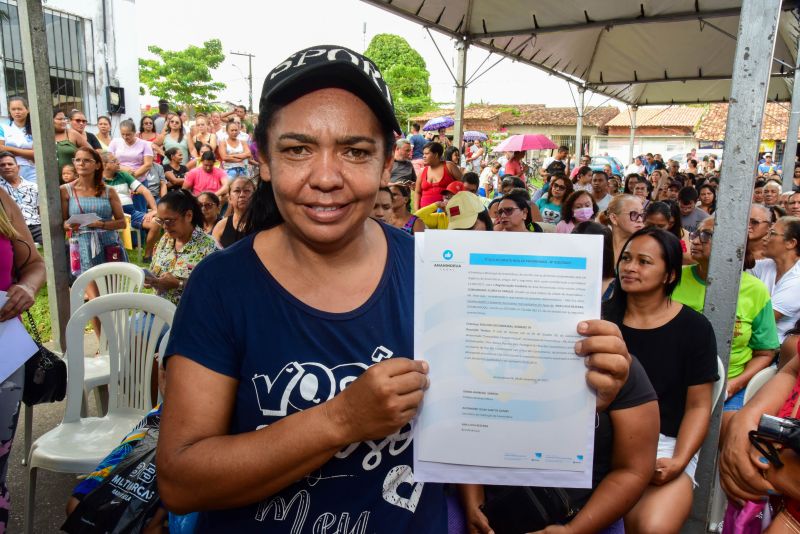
<point x="625" y="49"/>
<point x="653" y="52"/>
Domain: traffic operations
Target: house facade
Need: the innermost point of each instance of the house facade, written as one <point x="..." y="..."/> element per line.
<point x="89" y="44"/>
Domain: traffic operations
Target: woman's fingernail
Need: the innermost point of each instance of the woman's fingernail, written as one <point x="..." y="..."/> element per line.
<point x="763" y="460"/>
<point x="582" y="326"/>
<point x="578" y="347"/>
<point x="772" y="492"/>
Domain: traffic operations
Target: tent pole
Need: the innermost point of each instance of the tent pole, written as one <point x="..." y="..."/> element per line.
<point x="790" y="148"/>
<point x="461" y="77"/>
<point x="579" y="124"/>
<point x="634" y="108"/>
<point x="37" y="81"/>
<point x="758" y="27"/>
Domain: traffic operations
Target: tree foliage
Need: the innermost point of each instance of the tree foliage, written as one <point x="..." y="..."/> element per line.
<point x="183" y="77"/>
<point x="405" y="73"/>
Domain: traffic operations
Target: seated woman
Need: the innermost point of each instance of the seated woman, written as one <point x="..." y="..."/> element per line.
<point x="745" y="473"/>
<point x="756" y="337"/>
<point x="579" y="207"/>
<point x="401" y="208"/>
<point x="181" y="247"/>
<point x="382" y="209"/>
<point x="174" y="169"/>
<point x="625" y="441"/>
<point x="229" y="229"/>
<point x="677" y="348"/>
<point x="667" y="216"/>
<point x="210" y="207"/>
<point x="514" y="213"/>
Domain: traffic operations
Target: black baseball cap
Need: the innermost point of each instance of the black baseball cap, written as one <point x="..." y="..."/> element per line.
<point x="325" y="66"/>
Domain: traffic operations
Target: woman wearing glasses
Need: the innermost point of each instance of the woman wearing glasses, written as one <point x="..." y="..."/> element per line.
<point x="181" y="247"/>
<point x="514" y="213"/>
<point x="174" y="136"/>
<point x="229" y="230"/>
<point x="67" y="141"/>
<point x="77" y="122"/>
<point x="550" y="205"/>
<point x="210" y="206"/>
<point x="625" y="216"/>
<point x="755" y="337"/>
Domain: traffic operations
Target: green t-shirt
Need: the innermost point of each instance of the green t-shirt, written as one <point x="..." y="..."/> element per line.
<point x="755" y="322"/>
<point x="124" y="184"/>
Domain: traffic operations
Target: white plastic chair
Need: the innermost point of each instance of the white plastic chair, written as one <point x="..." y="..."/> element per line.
<point x="719" y="385"/>
<point x="133" y="323"/>
<point x="758" y="381"/>
<point x="115" y="277"/>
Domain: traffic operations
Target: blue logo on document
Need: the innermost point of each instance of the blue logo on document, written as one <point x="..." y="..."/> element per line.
<point x="580" y="457"/>
<point x="537" y="455"/>
<point x="447" y="254"/>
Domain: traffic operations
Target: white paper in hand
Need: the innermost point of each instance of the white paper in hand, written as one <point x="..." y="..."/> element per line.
<point x="17" y="345"/>
<point x="83" y="219"/>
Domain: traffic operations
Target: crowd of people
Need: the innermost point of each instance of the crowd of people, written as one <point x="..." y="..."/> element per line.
<point x="275" y="392"/>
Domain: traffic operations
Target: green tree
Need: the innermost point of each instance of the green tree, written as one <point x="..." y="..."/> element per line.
<point x="405" y="73"/>
<point x="183" y="77"/>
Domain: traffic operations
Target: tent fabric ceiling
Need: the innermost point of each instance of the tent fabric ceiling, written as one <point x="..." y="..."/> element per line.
<point x="638" y="51"/>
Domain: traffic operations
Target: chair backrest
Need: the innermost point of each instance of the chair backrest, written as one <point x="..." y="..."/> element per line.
<point x="133" y="323"/>
<point x="719" y="385"/>
<point x="758" y="380"/>
<point x="112" y="277"/>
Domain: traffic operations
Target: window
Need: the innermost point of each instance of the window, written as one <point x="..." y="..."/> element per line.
<point x="71" y="80"/>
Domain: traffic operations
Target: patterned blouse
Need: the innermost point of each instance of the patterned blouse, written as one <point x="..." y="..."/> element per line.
<point x="180" y="264"/>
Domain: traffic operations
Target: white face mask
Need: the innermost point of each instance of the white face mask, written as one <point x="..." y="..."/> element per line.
<point x="583" y="214"/>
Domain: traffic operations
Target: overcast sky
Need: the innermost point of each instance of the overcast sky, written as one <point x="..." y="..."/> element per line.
<point x="272" y="33"/>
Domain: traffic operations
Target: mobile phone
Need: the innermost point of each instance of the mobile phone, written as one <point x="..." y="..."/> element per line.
<point x="148" y="274"/>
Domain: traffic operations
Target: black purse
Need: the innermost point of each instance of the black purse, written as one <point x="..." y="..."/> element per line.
<point x="517" y="510"/>
<point x="45" y="373"/>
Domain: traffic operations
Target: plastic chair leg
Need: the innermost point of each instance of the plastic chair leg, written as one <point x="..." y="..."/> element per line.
<point x="101" y="399"/>
<point x="28" y="438"/>
<point x="718" y="507"/>
<point x="29" y="501"/>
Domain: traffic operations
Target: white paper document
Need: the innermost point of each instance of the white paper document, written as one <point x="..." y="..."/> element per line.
<point x="495" y="317"/>
<point x="83" y="219"/>
<point x="16" y="345"/>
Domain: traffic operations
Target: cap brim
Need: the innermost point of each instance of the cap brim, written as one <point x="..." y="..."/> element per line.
<point x="464" y="222"/>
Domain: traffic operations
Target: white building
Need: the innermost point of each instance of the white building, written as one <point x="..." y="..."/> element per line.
<point x="91" y="45"/>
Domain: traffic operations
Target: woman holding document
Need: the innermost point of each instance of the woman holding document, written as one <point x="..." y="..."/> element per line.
<point x="22" y="274"/>
<point x="677" y="348"/>
<point x="291" y="385"/>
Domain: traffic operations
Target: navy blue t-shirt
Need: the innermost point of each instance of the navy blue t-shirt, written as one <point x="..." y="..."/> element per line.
<point x="417" y="144"/>
<point x="234" y="318"/>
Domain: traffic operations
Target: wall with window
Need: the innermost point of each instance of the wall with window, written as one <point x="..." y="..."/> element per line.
<point x="83" y="37"/>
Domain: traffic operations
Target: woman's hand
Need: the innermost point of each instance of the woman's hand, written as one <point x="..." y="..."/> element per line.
<point x="786" y="480"/>
<point x="667" y="470"/>
<point x="607" y="358"/>
<point x="164" y="282"/>
<point x="477" y="523"/>
<point x="74" y="227"/>
<point x="20" y="298"/>
<point x="380" y="401"/>
<point x="741" y="471"/>
<point x="555" y="529"/>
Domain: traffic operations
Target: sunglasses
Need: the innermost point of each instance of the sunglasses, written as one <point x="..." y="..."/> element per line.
<point x="636" y="216"/>
<point x="703" y="235"/>
<point x="506" y="212"/>
<point x="756" y="222"/>
<point x="80" y="121"/>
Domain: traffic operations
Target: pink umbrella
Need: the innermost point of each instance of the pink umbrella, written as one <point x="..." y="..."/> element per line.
<point x="525" y="142"/>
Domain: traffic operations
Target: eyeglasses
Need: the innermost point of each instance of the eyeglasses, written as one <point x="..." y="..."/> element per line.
<point x="559" y="186"/>
<point x="250" y="192"/>
<point x="703" y="235"/>
<point x="80" y="121"/>
<point x="505" y="212"/>
<point x="773" y="233"/>
<point x="207" y="205"/>
<point x="82" y="161"/>
<point x="756" y="222"/>
<point x="636" y="216"/>
<point x="164" y="222"/>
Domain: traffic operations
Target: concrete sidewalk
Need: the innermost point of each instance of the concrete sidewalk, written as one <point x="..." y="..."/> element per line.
<point x="52" y="489"/>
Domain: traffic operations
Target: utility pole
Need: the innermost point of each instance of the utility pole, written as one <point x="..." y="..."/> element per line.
<point x="249" y="57"/>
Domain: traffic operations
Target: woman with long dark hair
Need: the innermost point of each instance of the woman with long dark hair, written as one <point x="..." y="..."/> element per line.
<point x="550" y="205"/>
<point x="677" y="348"/>
<point x="244" y="424"/>
<point x="17" y="137"/>
<point x="514" y="213"/>
<point x="67" y="141"/>
<point x="401" y="209"/>
<point x="435" y="177"/>
<point x="229" y="229"/>
<point x="579" y="207"/>
<point x="174" y="136"/>
<point x="707" y="195"/>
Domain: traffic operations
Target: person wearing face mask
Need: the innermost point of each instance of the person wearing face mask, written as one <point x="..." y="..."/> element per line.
<point x="579" y="207"/>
